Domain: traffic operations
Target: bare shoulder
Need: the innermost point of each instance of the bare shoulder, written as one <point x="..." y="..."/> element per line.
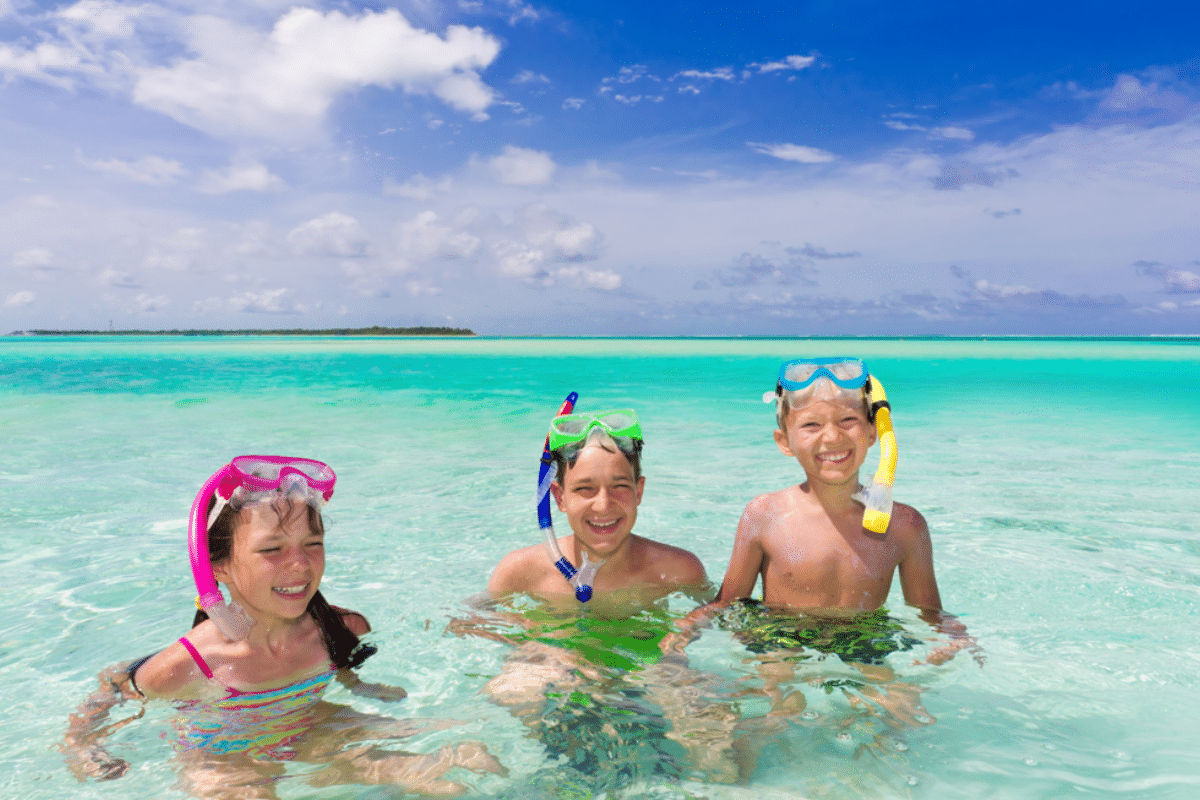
<point x="670" y="564"/>
<point x="764" y="507"/>
<point x="169" y="674"/>
<point x="518" y="571"/>
<point x="907" y="524"/>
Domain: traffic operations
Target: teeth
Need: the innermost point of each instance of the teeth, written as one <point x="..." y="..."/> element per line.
<point x="292" y="589"/>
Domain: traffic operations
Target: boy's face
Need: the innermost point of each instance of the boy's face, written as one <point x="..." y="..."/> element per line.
<point x="830" y="439"/>
<point x="600" y="497"/>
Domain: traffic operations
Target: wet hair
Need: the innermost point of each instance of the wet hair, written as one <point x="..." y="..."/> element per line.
<point x="345" y="649"/>
<point x="820" y="389"/>
<point x="567" y="455"/>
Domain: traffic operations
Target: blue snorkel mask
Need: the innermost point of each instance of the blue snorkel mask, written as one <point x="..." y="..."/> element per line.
<point x="850" y="374"/>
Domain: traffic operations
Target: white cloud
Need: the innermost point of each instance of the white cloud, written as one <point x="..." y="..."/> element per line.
<point x="426" y="237"/>
<point x="418" y="187"/>
<point x="281" y="84"/>
<point x="719" y="74"/>
<point x="118" y="279"/>
<point x="244" y="176"/>
<point x="103" y="17"/>
<point x="266" y="301"/>
<point x="1175" y="281"/>
<point x="529" y="76"/>
<point x="177" y="251"/>
<point x="605" y="280"/>
<point x="789" y="63"/>
<point x="151" y="170"/>
<point x="897" y="125"/>
<point x="19" y="299"/>
<point x="148" y="304"/>
<point x="953" y="132"/>
<point x="573" y="103"/>
<point x="33" y="257"/>
<point x="518" y="260"/>
<point x="519" y="166"/>
<point x="41" y="62"/>
<point x="422" y="287"/>
<point x="333" y="234"/>
<point x="1129" y="94"/>
<point x="794" y="152"/>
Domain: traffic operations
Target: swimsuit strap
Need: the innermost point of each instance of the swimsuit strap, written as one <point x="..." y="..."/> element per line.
<point x="200" y="662"/>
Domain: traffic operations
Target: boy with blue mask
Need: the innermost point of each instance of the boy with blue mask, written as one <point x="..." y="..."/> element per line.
<point x="828" y="549"/>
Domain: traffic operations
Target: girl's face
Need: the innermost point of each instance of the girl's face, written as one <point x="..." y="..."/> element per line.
<point x="276" y="562"/>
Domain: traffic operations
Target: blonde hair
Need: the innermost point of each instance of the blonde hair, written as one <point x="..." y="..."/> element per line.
<point x="822" y="389"/>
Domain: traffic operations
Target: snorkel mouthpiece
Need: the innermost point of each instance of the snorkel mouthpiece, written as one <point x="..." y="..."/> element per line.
<point x="582" y="577"/>
<point x="876" y="496"/>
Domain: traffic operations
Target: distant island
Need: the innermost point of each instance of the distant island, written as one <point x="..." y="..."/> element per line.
<point x="375" y="330"/>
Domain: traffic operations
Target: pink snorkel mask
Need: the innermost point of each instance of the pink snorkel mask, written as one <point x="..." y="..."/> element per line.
<point x="242" y="482"/>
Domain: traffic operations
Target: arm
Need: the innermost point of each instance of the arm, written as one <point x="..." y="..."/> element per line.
<point x="920" y="590"/>
<point x="83" y="744"/>
<point x="746" y="562"/>
<point x="916" y="563"/>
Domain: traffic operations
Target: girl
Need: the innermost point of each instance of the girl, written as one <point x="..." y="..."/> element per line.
<point x="250" y="674"/>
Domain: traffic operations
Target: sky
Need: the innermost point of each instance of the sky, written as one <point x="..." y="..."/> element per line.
<point x="805" y="168"/>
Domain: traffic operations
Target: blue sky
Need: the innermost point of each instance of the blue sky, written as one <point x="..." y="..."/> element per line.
<point x="620" y="168"/>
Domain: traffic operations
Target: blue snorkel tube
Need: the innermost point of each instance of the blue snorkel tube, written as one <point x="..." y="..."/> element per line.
<point x="580" y="578"/>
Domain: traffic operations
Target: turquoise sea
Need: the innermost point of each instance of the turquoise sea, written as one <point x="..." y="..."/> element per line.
<point x="1060" y="479"/>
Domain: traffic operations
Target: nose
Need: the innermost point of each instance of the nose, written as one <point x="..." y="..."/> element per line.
<point x="299" y="559"/>
<point x="602" y="500"/>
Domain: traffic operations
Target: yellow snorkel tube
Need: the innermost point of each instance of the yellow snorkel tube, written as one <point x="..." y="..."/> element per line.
<point x="877" y="495"/>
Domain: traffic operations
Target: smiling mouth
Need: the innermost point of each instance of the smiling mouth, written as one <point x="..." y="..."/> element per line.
<point x="604" y="526"/>
<point x="834" y="458"/>
<point x="292" y="591"/>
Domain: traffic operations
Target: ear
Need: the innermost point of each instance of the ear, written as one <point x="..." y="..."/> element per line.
<point x="874" y="433"/>
<point x="782" y="443"/>
<point x="557" y="491"/>
<point x="221" y="571"/>
<point x="641" y="487"/>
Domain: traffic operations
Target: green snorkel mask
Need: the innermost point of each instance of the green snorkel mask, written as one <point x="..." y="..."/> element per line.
<point x="620" y="423"/>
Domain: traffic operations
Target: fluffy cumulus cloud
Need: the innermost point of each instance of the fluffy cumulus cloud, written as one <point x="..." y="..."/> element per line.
<point x="428" y="237"/>
<point x="333" y="234"/>
<point x="236" y="79"/>
<point x="519" y="166"/>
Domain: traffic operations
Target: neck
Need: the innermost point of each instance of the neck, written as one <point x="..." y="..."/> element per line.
<point x="833" y="497"/>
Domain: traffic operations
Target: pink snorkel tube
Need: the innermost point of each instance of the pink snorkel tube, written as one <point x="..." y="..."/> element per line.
<point x="252" y="474"/>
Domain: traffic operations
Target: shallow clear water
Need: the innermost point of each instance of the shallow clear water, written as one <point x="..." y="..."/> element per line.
<point x="1059" y="479"/>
